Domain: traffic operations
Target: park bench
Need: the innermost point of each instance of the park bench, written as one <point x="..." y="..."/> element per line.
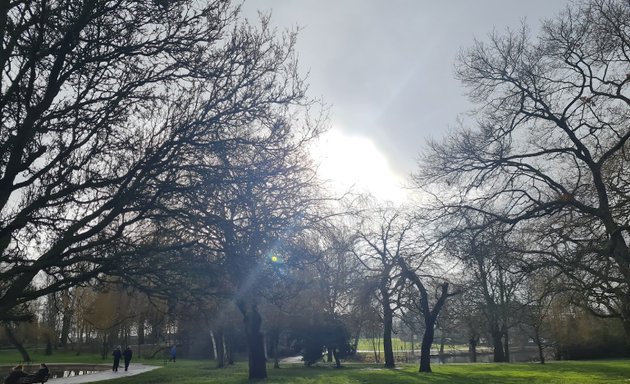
<point x="33" y="379"/>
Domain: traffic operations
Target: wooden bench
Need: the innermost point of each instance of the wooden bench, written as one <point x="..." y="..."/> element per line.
<point x="33" y="379"/>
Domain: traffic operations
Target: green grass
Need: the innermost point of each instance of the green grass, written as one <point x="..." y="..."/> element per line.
<point x="590" y="372"/>
<point x="204" y="372"/>
<point x="397" y="344"/>
<point x="12" y="357"/>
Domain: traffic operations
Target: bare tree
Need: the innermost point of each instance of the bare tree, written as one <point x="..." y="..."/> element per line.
<point x="469" y="319"/>
<point x="433" y="293"/>
<point x="538" y="297"/>
<point x="551" y="145"/>
<point x="250" y="202"/>
<point x="258" y="224"/>
<point x="493" y="274"/>
<point x="379" y="244"/>
<point x="158" y="141"/>
<point x="101" y="105"/>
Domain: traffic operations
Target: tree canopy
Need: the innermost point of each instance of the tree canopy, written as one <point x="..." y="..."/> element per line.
<point x="120" y="121"/>
<point x="550" y="145"/>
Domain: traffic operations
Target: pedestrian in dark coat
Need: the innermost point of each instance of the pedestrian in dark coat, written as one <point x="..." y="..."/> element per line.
<point x="127" y="356"/>
<point x="173" y="353"/>
<point x="42" y="373"/>
<point x="117" y="355"/>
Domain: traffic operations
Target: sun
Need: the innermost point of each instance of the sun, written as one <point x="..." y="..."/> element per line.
<point x="347" y="161"/>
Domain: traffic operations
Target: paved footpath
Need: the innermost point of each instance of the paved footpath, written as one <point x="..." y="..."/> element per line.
<point x="134" y="369"/>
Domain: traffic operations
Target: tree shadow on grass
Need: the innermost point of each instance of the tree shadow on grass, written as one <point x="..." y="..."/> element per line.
<point x="554" y="373"/>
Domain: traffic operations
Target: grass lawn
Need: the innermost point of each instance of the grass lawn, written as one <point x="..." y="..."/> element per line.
<point x="197" y="372"/>
<point x="397" y="345"/>
<point x="13" y="357"/>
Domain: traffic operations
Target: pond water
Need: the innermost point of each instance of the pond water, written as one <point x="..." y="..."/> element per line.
<point x="61" y="370"/>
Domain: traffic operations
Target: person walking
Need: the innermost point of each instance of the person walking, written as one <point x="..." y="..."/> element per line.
<point x="127" y="354"/>
<point x="117" y="355"/>
<point x="173" y="353"/>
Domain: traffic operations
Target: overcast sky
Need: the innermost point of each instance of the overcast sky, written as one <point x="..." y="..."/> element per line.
<point x="386" y="66"/>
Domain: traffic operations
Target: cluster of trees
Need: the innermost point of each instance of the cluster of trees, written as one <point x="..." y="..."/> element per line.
<point x="545" y="162"/>
<point x="161" y="148"/>
<point x="540" y="176"/>
<point x="160" y="143"/>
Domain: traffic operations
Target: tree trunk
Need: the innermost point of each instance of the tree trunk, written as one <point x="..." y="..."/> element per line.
<point x="387" y="330"/>
<point x="127" y="332"/>
<point x="276" y="357"/>
<point x="497" y="344"/>
<point x="105" y="347"/>
<point x="472" y="348"/>
<point x="79" y="339"/>
<point x="49" y="347"/>
<point x="626" y="323"/>
<point x="213" y="346"/>
<point x="155" y="333"/>
<point x="17" y="344"/>
<point x="506" y="345"/>
<point x="141" y="329"/>
<point x="274" y="343"/>
<point x="442" y="341"/>
<point x="257" y="366"/>
<point x="377" y="356"/>
<point x="620" y="252"/>
<point x="112" y="338"/>
<point x="65" y="328"/>
<point x="541" y="352"/>
<point x="430" y="315"/>
<point x="337" y="361"/>
<point x="88" y="334"/>
<point x="229" y="347"/>
<point x="357" y="335"/>
<point x="255" y="341"/>
<point x="427" y="341"/>
<point x="218" y="340"/>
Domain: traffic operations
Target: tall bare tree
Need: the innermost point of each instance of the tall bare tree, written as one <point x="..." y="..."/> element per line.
<point x="380" y="241"/>
<point x="551" y="145"/>
<point x="433" y="293"/>
<point x="493" y="278"/>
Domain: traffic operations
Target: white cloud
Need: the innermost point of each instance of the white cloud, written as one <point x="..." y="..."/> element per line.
<point x="356" y="162"/>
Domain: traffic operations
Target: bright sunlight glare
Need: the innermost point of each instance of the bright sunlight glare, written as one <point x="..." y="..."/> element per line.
<point x="356" y="162"/>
